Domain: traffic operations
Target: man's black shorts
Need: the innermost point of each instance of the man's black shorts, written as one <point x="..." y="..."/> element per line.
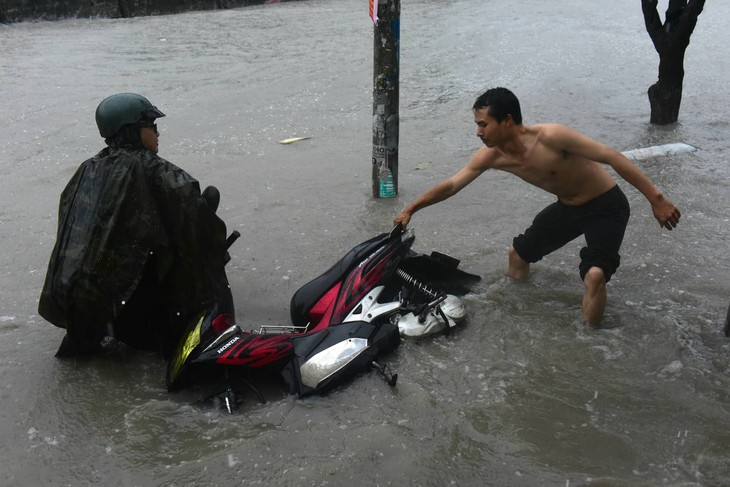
<point x="602" y="220"/>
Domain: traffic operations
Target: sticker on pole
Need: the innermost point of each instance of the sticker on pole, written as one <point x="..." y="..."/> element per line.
<point x="374" y="11"/>
<point x="386" y="185"/>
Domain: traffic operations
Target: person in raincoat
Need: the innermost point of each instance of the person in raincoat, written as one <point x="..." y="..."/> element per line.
<point x="139" y="249"/>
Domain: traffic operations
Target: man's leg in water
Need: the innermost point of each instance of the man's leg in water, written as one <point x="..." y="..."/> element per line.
<point x="518" y="267"/>
<point x="552" y="228"/>
<point x="595" y="298"/>
<point x="604" y="232"/>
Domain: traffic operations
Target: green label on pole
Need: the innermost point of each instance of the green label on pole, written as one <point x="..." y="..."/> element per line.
<point x="387" y="187"/>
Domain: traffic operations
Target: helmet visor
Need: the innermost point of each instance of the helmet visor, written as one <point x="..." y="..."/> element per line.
<point x="152" y="113"/>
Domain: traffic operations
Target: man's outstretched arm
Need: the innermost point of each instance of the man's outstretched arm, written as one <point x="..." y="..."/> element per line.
<point x="666" y="213"/>
<point x="443" y="190"/>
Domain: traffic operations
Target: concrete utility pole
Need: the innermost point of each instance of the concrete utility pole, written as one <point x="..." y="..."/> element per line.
<point x="386" y="67"/>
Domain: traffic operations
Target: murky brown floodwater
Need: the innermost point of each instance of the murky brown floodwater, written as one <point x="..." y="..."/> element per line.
<point x="523" y="394"/>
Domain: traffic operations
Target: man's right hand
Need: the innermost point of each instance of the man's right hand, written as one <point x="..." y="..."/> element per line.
<point x="404" y="217"/>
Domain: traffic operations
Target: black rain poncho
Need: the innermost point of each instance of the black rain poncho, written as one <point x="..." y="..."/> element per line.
<point x="138" y="252"/>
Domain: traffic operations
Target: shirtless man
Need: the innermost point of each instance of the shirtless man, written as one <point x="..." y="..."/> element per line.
<point x="567" y="164"/>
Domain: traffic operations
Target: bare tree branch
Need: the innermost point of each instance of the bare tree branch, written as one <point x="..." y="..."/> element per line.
<point x="653" y="22"/>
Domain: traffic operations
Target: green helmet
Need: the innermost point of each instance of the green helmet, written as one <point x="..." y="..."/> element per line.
<point x="122" y="109"/>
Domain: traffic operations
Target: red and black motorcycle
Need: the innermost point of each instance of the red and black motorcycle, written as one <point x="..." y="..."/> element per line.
<point x="341" y="322"/>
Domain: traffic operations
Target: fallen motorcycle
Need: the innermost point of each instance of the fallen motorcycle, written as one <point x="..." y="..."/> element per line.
<point x="342" y="322"/>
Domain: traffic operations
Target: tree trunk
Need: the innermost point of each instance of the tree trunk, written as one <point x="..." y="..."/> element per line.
<point x="665" y="96"/>
<point x="124" y="11"/>
<point x="670" y="39"/>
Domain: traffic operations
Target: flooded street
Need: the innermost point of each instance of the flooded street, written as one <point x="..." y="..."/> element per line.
<point x="523" y="394"/>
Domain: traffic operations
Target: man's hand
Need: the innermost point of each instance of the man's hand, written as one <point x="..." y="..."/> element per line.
<point x="403" y="218"/>
<point x="666" y="213"/>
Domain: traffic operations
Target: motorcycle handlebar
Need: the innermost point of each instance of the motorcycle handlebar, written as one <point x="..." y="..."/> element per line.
<point x="232" y="238"/>
<point x="397" y="229"/>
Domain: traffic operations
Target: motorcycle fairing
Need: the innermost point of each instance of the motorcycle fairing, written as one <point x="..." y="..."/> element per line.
<point x="187" y="344"/>
<point x="324" y="359"/>
<point x="312" y="292"/>
<point x="197" y="338"/>
<point x="333" y="296"/>
<point x="376" y="268"/>
<point x="324" y="305"/>
<point x="251" y="350"/>
<point x="233" y="347"/>
<point x="311" y="302"/>
<point x="370" y="309"/>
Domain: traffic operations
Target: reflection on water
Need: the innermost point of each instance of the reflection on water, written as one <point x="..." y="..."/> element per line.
<point x="524" y="393"/>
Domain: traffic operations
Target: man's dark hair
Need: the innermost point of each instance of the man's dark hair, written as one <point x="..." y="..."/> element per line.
<point x="500" y="102"/>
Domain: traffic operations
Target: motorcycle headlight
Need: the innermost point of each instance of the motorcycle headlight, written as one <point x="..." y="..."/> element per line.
<point x="326" y="363"/>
